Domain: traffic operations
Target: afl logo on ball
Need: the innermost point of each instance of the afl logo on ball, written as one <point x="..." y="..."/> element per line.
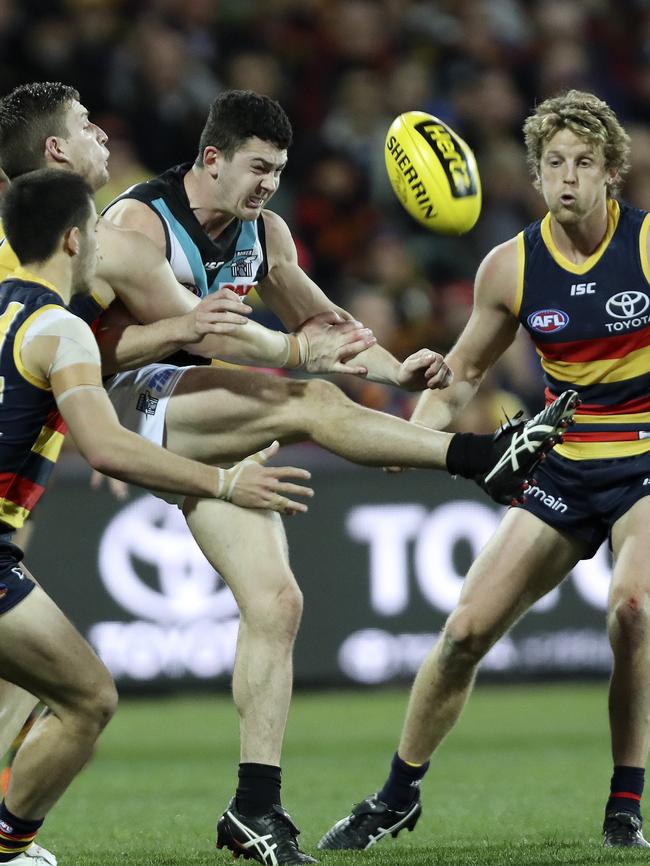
<point x="548" y="321"/>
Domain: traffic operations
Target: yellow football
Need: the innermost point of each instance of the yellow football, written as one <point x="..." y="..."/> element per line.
<point x="433" y="173"/>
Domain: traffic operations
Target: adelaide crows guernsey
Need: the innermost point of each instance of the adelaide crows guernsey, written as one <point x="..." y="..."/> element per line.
<point x="235" y="260"/>
<point x="591" y="327"/>
<point x="31" y="428"/>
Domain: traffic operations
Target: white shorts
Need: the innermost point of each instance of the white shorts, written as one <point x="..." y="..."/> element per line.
<point x="140" y="398"/>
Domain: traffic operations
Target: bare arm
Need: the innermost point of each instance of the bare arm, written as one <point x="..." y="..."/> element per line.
<point x="212" y="327"/>
<point x="490" y="330"/>
<point x="67" y="358"/>
<point x="294" y="297"/>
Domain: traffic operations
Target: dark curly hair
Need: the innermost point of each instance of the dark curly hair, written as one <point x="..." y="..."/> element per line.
<point x="28" y="116"/>
<point x="237" y="115"/>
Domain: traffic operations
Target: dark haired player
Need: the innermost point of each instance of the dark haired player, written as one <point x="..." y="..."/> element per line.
<point x="50" y="380"/>
<point x="208" y="217"/>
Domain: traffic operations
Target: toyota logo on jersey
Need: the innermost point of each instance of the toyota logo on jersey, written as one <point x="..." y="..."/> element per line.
<point x="625" y="305"/>
<point x="548" y="321"/>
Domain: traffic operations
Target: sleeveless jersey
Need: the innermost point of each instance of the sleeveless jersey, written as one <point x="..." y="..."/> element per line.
<point x="87" y="307"/>
<point x="31" y="428"/>
<point x="235" y="260"/>
<point x="590" y="324"/>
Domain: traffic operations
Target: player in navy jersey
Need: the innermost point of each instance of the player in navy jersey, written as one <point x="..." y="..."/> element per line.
<point x="208" y="218"/>
<point x="579" y="282"/>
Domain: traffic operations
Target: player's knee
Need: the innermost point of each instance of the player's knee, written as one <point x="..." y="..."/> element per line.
<point x="630" y="616"/>
<point x="465" y="641"/>
<point x="276" y="612"/>
<point x="95" y="705"/>
<point x="289" y="606"/>
<point x="321" y="393"/>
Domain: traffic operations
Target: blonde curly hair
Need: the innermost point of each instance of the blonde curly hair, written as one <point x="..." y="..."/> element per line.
<point x="587" y="117"/>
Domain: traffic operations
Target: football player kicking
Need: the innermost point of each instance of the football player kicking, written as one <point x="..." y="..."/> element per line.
<point x="211" y="214"/>
<point x="51" y="379"/>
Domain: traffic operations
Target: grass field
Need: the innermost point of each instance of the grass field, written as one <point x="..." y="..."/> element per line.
<point x="522" y="780"/>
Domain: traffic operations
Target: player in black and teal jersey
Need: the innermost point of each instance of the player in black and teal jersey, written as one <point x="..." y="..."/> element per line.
<point x="50" y="379"/>
<point x="213" y="413"/>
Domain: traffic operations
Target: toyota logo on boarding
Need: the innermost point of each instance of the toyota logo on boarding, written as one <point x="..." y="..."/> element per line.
<point x="148" y="535"/>
<point x="625" y="305"/>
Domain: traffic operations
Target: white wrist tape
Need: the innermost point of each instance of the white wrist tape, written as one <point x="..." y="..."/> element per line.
<point x="228" y="478"/>
<point x="297" y="351"/>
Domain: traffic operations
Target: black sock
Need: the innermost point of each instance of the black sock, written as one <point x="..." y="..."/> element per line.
<point x="470" y="454"/>
<point x="400" y="787"/>
<point x="626" y="789"/>
<point x="16" y="834"/>
<point x="258" y="789"/>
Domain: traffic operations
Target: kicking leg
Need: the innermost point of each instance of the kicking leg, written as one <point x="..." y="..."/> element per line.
<point x="216" y="415"/>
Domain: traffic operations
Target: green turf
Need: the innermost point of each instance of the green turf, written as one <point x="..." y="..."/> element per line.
<point x="520" y="781"/>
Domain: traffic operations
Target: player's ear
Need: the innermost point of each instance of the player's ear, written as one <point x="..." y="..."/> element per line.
<point x="53" y="151"/>
<point x="212" y="159"/>
<point x="72" y="241"/>
<point x="612" y="178"/>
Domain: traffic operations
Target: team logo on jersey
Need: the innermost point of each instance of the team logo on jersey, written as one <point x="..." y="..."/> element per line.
<point x="548" y="321"/>
<point x="147" y="404"/>
<point x="627" y="305"/>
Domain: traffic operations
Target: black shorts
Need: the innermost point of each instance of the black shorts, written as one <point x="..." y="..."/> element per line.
<point x="14" y="583"/>
<point x="584" y="498"/>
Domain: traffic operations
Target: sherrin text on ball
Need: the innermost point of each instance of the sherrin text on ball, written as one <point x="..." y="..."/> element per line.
<point x="433" y="173"/>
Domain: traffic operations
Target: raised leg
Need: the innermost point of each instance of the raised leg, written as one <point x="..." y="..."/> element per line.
<point x="216" y="415"/>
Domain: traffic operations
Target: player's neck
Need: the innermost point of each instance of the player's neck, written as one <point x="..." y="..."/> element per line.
<point x="578" y="241"/>
<point x="211" y="220"/>
<point x="56" y="271"/>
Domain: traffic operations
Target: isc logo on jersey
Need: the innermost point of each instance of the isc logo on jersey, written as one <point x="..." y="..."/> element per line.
<point x="548" y="321"/>
<point x="433" y="173"/>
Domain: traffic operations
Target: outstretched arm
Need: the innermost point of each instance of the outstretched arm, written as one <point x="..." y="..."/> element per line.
<point x="488" y="333"/>
<point x="62" y="352"/>
<point x="294" y="297"/>
<point x="157" y="316"/>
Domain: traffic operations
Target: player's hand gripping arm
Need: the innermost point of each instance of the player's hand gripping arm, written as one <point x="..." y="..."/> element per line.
<point x="65" y="355"/>
<point x="295" y="299"/>
<point x="156" y="316"/>
<point x="490" y="330"/>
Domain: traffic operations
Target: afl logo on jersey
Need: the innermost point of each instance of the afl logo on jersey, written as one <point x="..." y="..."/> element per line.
<point x="548" y="321"/>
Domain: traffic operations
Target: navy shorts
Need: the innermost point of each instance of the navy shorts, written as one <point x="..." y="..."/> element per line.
<point x="14" y="583"/>
<point x="584" y="498"/>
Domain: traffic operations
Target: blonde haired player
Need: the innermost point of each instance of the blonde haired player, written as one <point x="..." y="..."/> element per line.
<point x="579" y="282"/>
<point x="210" y="218"/>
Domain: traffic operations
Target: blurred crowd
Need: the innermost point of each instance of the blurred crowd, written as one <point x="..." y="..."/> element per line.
<point x="343" y="69"/>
